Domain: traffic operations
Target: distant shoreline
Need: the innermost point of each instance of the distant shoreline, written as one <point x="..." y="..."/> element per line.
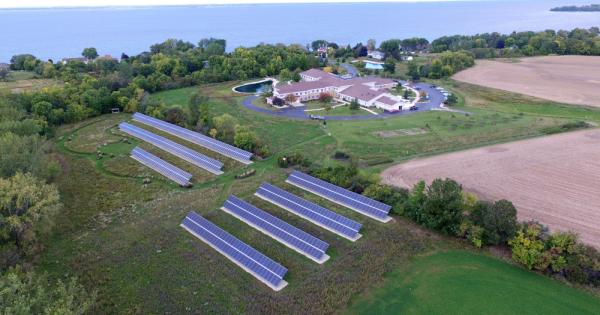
<point x="574" y="8"/>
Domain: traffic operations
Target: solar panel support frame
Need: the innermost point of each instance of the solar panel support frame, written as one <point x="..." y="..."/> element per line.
<point x="281" y="285"/>
<point x="382" y="220"/>
<point x="352" y="239"/>
<point x="318" y="261"/>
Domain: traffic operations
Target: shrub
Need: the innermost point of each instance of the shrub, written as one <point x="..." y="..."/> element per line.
<point x="338" y="155"/>
<point x="293" y="159"/>
<point x="390" y="195"/>
<point x="354" y="105"/>
<point x="527" y="247"/>
<point x="443" y="206"/>
<point x="278" y="101"/>
<point x="325" y="97"/>
<point x="498" y="220"/>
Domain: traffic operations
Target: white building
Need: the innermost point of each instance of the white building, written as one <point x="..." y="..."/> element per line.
<point x="367" y="91"/>
<point x="376" y="54"/>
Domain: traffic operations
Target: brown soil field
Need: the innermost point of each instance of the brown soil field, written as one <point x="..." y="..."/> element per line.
<point x="564" y="79"/>
<point x="554" y="180"/>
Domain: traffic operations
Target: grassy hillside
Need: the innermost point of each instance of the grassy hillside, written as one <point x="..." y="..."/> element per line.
<point x="460" y="282"/>
<point x="122" y="236"/>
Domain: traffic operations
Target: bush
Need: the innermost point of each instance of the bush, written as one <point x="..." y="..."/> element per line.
<point x="354" y="105"/>
<point x="498" y="220"/>
<point x="293" y="159"/>
<point x="325" y="97"/>
<point x="338" y="155"/>
<point x="29" y="293"/>
<point x="443" y="207"/>
<point x="389" y="195"/>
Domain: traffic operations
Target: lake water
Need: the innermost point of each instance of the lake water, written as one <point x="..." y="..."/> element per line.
<point x="58" y="33"/>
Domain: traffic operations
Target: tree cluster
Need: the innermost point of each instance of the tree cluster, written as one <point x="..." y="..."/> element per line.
<point x="491" y="45"/>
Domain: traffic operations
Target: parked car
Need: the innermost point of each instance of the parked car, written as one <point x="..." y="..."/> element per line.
<point x="414" y="108"/>
<point x="317" y="117"/>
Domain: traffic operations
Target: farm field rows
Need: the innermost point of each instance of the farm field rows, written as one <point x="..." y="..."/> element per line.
<point x="566" y="79"/>
<point x="550" y="179"/>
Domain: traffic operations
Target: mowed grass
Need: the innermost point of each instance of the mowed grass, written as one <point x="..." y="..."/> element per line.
<point x="462" y="282"/>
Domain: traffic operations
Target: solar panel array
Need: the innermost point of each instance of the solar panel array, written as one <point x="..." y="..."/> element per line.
<point x="366" y="206"/>
<point x="283" y="232"/>
<point x="168" y="170"/>
<point x="174" y="148"/>
<point x="310" y="211"/>
<point x="195" y="137"/>
<point x="248" y="258"/>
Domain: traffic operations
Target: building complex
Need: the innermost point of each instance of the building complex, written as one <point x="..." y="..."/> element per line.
<point x="367" y="91"/>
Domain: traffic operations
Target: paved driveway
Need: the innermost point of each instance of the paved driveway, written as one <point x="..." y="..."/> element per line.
<point x="433" y="103"/>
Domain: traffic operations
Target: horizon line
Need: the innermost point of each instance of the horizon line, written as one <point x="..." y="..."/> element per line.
<point x="215" y="3"/>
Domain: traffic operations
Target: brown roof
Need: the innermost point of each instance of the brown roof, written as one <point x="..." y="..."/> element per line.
<point x="316" y="73"/>
<point x="386" y="100"/>
<point x="302" y="86"/>
<point x="362" y="92"/>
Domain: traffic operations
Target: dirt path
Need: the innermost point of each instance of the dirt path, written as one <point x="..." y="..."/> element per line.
<point x="554" y="179"/>
<point x="565" y="79"/>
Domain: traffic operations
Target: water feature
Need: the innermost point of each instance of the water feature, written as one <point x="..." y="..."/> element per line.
<point x="254" y="87"/>
<point x="373" y="65"/>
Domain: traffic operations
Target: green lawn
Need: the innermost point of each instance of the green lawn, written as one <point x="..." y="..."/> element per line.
<point x="461" y="282"/>
<point x="123" y="237"/>
<point x="340" y="111"/>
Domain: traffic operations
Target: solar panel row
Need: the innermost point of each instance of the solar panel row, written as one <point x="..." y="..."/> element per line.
<point x="310" y="211"/>
<point x="278" y="229"/>
<point x="174" y="148"/>
<point x="168" y="170"/>
<point x="195" y="137"/>
<point x="248" y="258"/>
<point x="366" y="206"/>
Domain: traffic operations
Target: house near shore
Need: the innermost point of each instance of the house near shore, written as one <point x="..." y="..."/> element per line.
<point x="4" y="66"/>
<point x="64" y="61"/>
<point x="376" y="54"/>
<point x="367" y="91"/>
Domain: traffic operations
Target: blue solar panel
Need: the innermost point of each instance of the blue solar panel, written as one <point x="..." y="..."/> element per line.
<point x="174" y="148"/>
<point x="310" y="211"/>
<point x="295" y="238"/>
<point x="195" y="137"/>
<point x="251" y="260"/>
<point x="357" y="202"/>
<point x="168" y="170"/>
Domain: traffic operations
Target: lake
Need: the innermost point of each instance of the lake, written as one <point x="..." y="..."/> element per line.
<point x="58" y="33"/>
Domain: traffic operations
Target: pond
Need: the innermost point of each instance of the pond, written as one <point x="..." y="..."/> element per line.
<point x="254" y="87"/>
<point x="373" y="65"/>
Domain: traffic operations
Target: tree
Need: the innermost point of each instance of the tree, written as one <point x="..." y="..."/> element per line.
<point x="3" y="73"/>
<point x="27" y="209"/>
<point x="391" y="48"/>
<point x="325" y="97"/>
<point x="528" y="248"/>
<point x="290" y="98"/>
<point x="90" y="53"/>
<point x="315" y="45"/>
<point x="389" y="65"/>
<point x="246" y="139"/>
<point x="225" y="125"/>
<point x="451" y="100"/>
<point x="42" y="109"/>
<point x="443" y="206"/>
<point x="413" y="71"/>
<point x="354" y="105"/>
<point x="390" y="195"/>
<point x="371" y="44"/>
<point x="31" y="293"/>
<point x="498" y="220"/>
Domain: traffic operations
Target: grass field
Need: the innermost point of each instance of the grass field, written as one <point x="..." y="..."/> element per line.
<point x="461" y="282"/>
<point x="24" y="81"/>
<point x="123" y="238"/>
